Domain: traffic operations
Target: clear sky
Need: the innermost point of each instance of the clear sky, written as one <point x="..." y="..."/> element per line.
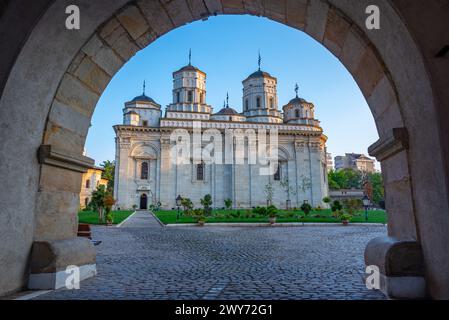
<point x="226" y="48"/>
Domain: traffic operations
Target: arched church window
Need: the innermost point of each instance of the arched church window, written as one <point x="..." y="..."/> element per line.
<point x="271" y="103"/>
<point x="190" y="96"/>
<point x="200" y="172"/>
<point x="178" y="97"/>
<point x="202" y="98"/>
<point x="297" y="115"/>
<point x="144" y="171"/>
<point x="258" y="102"/>
<point x="87" y="184"/>
<point x="246" y="104"/>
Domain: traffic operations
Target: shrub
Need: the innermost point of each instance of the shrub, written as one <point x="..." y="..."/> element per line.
<point x="327" y="200"/>
<point x="187" y="205"/>
<point x="228" y="204"/>
<point x="306" y="208"/>
<point x="199" y="215"/>
<point x="336" y="206"/>
<point x="206" y="202"/>
<point x="260" y="211"/>
<point x="272" y="211"/>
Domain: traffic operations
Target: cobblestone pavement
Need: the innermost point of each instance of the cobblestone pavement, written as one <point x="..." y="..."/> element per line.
<point x="152" y="262"/>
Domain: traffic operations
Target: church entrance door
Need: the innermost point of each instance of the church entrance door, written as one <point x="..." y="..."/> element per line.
<point x="144" y="202"/>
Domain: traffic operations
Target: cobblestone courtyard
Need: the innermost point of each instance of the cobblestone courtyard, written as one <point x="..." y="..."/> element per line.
<point x="143" y="260"/>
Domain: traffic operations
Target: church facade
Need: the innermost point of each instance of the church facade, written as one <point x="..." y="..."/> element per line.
<point x="147" y="142"/>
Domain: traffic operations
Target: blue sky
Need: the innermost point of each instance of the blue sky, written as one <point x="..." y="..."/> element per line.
<point x="226" y="48"/>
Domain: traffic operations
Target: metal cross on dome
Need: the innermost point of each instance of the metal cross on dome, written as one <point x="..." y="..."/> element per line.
<point x="297" y="90"/>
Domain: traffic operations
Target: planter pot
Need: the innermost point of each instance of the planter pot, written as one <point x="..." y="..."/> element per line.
<point x="109" y="223"/>
<point x="272" y="221"/>
<point x="345" y="222"/>
<point x="201" y="223"/>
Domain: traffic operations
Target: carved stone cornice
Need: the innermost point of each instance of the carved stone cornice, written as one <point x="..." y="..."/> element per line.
<point x="51" y="156"/>
<point x="396" y="141"/>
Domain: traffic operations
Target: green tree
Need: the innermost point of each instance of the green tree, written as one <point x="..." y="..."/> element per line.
<point x="378" y="186"/>
<point x="206" y="202"/>
<point x="345" y="179"/>
<point x="108" y="173"/>
<point x="98" y="201"/>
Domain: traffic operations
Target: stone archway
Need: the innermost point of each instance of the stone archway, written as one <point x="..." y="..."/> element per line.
<point x="51" y="113"/>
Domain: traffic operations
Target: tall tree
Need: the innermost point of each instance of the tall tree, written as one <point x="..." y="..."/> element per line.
<point x="109" y="173"/>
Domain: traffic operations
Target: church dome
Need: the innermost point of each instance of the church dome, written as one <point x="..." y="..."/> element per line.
<point x="259" y="74"/>
<point x="297" y="100"/>
<point x="227" y="112"/>
<point x="143" y="98"/>
<point x="188" y="68"/>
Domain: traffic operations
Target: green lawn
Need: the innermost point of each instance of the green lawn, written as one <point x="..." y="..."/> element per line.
<point x="91" y="217"/>
<point x="246" y="216"/>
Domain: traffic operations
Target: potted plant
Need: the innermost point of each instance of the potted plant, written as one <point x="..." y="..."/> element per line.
<point x="109" y="219"/>
<point x="272" y="212"/>
<point x="200" y="217"/>
<point x="345" y="218"/>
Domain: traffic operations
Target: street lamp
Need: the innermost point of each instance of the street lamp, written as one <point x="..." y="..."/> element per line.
<point x="178" y="204"/>
<point x="366" y="203"/>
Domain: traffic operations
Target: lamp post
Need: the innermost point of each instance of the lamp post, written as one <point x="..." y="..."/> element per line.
<point x="366" y="202"/>
<point x="178" y="204"/>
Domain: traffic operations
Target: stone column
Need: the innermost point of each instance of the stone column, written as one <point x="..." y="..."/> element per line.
<point x="167" y="171"/>
<point x="56" y="245"/>
<point x="399" y="256"/>
<point x="302" y="171"/>
<point x="122" y="173"/>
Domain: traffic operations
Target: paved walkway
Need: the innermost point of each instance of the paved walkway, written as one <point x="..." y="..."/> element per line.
<point x="143" y="260"/>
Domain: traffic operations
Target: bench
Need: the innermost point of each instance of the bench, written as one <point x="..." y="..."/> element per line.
<point x="84" y="231"/>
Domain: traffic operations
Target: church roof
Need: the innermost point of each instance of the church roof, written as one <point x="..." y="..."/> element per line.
<point x="143" y="98"/>
<point x="227" y="112"/>
<point x="297" y="100"/>
<point x="260" y="74"/>
<point x="189" y="68"/>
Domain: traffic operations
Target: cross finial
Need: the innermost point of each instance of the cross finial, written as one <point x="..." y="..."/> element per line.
<point x="260" y="60"/>
<point x="190" y="57"/>
<point x="227" y="100"/>
<point x="297" y="90"/>
<point x="144" y="86"/>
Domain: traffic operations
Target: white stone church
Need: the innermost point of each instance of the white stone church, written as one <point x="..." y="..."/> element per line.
<point x="146" y="174"/>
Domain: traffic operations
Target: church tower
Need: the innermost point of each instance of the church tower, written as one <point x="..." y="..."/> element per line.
<point x="142" y="111"/>
<point x="260" y="101"/>
<point x="189" y="93"/>
<point x="299" y="111"/>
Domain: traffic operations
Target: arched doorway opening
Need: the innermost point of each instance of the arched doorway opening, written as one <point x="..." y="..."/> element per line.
<point x="144" y="202"/>
<point x="83" y="63"/>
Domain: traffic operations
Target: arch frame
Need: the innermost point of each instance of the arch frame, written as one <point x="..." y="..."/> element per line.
<point x="59" y="114"/>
